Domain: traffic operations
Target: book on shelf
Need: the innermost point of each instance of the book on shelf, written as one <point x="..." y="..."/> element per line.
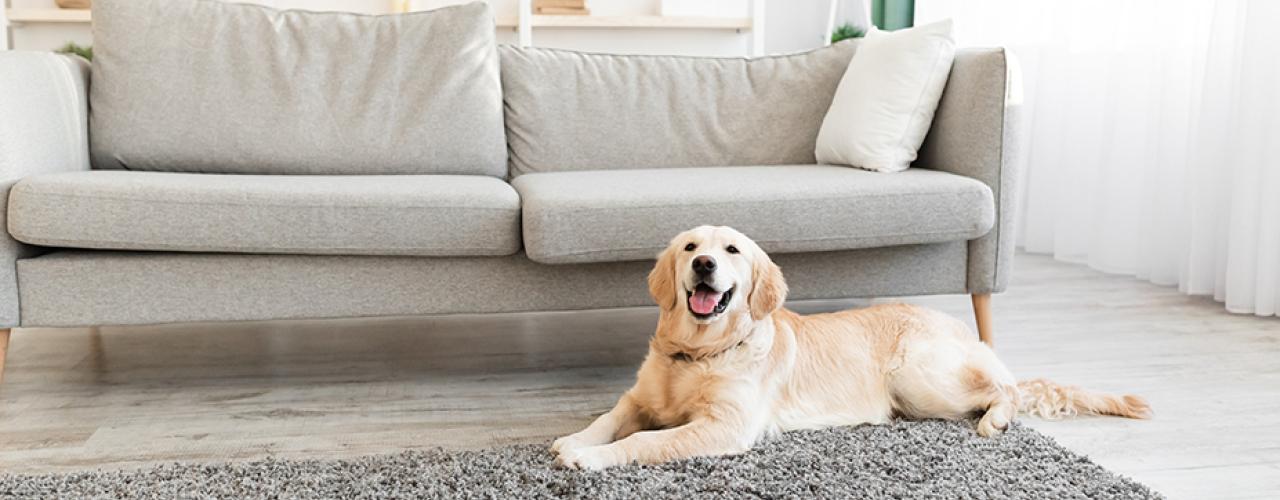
<point x="560" y="4"/>
<point x="561" y="11"/>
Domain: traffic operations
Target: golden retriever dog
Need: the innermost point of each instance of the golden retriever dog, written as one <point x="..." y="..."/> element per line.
<point x="729" y="365"/>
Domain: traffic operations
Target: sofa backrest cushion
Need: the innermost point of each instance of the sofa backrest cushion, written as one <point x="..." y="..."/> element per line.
<point x="216" y="87"/>
<point x="579" y="111"/>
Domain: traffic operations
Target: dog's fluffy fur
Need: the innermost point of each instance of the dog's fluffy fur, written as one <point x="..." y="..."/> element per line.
<point x="716" y="383"/>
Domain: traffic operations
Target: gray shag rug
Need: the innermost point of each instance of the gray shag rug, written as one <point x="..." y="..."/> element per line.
<point x="928" y="459"/>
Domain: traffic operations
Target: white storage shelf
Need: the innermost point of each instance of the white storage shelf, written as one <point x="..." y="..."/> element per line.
<point x="526" y="21"/>
<point x="632" y="22"/>
<point x="540" y="21"/>
<point x="65" y="16"/>
<point x="48" y="15"/>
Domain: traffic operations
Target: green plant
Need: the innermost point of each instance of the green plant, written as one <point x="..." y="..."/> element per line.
<point x="74" y="48"/>
<point x="847" y="31"/>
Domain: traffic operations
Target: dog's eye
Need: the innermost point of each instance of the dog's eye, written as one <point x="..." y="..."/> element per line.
<point x="731" y="249"/>
<point x="690" y="247"/>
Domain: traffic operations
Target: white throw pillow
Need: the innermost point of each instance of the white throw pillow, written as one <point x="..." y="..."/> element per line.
<point x="885" y="102"/>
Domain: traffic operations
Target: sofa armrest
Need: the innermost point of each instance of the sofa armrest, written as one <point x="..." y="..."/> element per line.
<point x="974" y="134"/>
<point x="43" y="128"/>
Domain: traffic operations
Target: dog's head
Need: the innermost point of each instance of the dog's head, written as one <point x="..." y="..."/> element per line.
<point x="710" y="272"/>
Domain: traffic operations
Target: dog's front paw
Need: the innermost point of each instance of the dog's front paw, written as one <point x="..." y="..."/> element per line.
<point x="591" y="458"/>
<point x="570" y="442"/>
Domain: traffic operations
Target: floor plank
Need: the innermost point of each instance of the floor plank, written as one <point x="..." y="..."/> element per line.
<point x="127" y="397"/>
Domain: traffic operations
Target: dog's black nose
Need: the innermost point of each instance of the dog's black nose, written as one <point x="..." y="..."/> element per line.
<point x="704" y="265"/>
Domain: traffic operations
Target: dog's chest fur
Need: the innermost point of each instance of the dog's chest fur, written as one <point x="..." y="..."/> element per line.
<point x="674" y="389"/>
<point x="681" y="390"/>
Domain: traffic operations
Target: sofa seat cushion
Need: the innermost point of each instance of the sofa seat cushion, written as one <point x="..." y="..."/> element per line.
<point x="617" y="215"/>
<point x="425" y="215"/>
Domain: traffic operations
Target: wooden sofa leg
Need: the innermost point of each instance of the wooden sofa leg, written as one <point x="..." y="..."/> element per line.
<point x="982" y="315"/>
<point x="4" y="349"/>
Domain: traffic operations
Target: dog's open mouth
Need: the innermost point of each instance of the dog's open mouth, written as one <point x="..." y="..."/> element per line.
<point x="705" y="302"/>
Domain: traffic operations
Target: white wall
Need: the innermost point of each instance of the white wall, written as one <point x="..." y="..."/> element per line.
<point x="791" y="25"/>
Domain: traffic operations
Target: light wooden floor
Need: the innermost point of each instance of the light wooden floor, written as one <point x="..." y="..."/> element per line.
<point x="124" y="397"/>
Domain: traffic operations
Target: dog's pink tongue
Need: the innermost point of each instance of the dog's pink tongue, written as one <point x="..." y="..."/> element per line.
<point x="704" y="301"/>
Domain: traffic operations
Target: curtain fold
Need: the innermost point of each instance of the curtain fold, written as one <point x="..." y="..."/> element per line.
<point x="1152" y="136"/>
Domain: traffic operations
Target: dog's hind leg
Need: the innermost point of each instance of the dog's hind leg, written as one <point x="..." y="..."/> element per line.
<point x="991" y="388"/>
<point x="953" y="378"/>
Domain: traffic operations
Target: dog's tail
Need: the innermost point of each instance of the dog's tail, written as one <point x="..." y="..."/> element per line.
<point x="1052" y="401"/>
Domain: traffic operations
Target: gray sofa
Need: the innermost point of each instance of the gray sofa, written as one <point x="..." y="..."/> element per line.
<point x="302" y="165"/>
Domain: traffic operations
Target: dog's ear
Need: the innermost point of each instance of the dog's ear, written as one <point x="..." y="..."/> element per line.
<point x="768" y="288"/>
<point x="662" y="280"/>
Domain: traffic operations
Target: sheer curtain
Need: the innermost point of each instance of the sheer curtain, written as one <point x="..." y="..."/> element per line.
<point x="1152" y="136"/>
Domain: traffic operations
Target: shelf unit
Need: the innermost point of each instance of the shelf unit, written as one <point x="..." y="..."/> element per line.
<point x="11" y="18"/>
<point x="526" y="21"/>
<point x="540" y="21"/>
<point x="631" y="22"/>
<point x="18" y="16"/>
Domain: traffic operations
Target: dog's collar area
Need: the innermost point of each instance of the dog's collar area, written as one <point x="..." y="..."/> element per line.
<point x="684" y="357"/>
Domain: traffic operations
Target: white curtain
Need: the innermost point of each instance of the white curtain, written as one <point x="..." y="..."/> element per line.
<point x="1152" y="135"/>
